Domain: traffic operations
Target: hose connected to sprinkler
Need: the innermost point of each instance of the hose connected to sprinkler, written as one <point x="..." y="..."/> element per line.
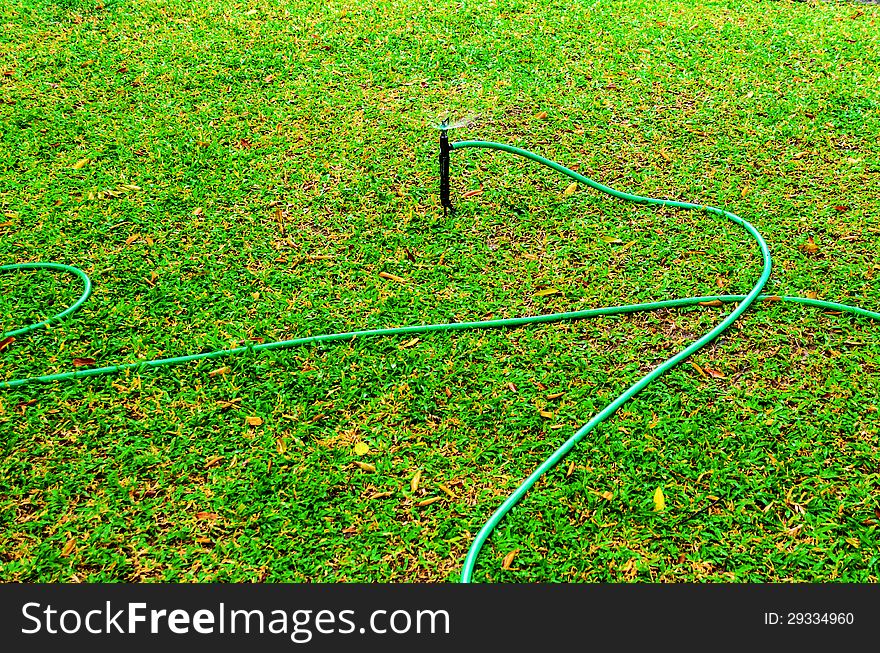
<point x="743" y="301"/>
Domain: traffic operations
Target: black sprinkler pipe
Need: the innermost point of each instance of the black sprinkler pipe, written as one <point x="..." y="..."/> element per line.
<point x="445" y="149"/>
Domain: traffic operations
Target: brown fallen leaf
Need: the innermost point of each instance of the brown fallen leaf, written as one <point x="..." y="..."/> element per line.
<point x="132" y="238"/>
<point x="840" y="208"/>
<point x="546" y="414"/>
<point x="473" y="193"/>
<point x="555" y="395"/>
<point x="541" y="115"/>
<point x="198" y="210"/>
<point x="220" y="370"/>
<point x="414" y="483"/>
<point x="715" y="374"/>
<point x="714" y="302"/>
<point x="367" y="467"/>
<point x="213" y="460"/>
<point x="809" y="247"/>
<point x="83" y="362"/>
<point x="508" y="559"/>
<point x="6" y="342"/>
<point x="812" y="294"/>
<point x="69" y="547"/>
<point x="253" y="421"/>
<point x="570" y="469"/>
<point x="208" y="516"/>
<point x="428" y="502"/>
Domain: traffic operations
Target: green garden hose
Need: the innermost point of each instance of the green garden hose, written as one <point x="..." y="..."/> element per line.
<point x="743" y="303"/>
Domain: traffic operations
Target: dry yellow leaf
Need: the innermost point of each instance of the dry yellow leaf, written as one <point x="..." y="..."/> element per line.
<point x="220" y="370"/>
<point x="570" y="469"/>
<point x="381" y="495"/>
<point x="82" y="163"/>
<point x="361" y="449"/>
<point x="659" y="500"/>
<point x="410" y="343"/>
<point x="253" y="421"/>
<point x="414" y="483"/>
<point x="610" y="239"/>
<point x="541" y="115"/>
<point x="428" y="502"/>
<point x="447" y="491"/>
<point x="547" y="291"/>
<point x="546" y="414"/>
<point x="572" y="187"/>
<point x="392" y="277"/>
<point x="367" y="467"/>
<point x="508" y="559"/>
<point x="213" y="460"/>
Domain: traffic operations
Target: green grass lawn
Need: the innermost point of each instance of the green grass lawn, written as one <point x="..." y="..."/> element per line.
<point x="232" y="172"/>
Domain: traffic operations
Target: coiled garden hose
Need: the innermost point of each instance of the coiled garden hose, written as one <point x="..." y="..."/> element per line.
<point x="743" y="303"/>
